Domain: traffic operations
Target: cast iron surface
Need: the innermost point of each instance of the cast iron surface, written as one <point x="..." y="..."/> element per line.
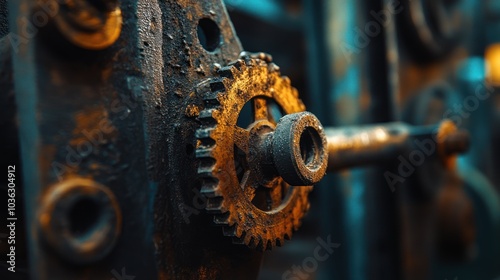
<point x="122" y="104"/>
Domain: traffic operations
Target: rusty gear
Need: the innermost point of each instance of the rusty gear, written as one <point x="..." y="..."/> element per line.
<point x="253" y="209"/>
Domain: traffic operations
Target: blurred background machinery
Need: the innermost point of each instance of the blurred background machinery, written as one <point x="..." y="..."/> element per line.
<point x="124" y="121"/>
<point x="359" y="62"/>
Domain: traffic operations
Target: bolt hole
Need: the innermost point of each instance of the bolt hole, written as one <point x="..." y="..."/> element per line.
<point x="84" y="217"/>
<point x="209" y="34"/>
<point x="310" y="146"/>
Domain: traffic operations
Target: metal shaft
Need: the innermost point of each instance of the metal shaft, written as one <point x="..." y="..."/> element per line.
<point x="352" y="147"/>
<point x="357" y="146"/>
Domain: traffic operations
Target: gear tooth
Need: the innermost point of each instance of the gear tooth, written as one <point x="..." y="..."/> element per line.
<point x="240" y="240"/>
<point x="210" y="188"/>
<point x="229" y="231"/>
<point x="288" y="234"/>
<point x="264" y="64"/>
<point x="216" y="87"/>
<point x="250" y="62"/>
<point x="222" y="219"/>
<point x="205" y="143"/>
<point x="208" y="117"/>
<point x="216" y="67"/>
<point x="204" y="153"/>
<point x="248" y="238"/>
<point x="213" y="193"/>
<point x="280" y="242"/>
<point x="211" y="98"/>
<point x="270" y="245"/>
<point x="245" y="54"/>
<point x="205" y="136"/>
<point x="214" y="205"/>
<point x="259" y="55"/>
<point x="287" y="80"/>
<point x="273" y="68"/>
<point x="206" y="167"/>
<point x="205" y="170"/>
<point x="264" y="57"/>
<point x="207" y="113"/>
<point x="204" y="132"/>
<point x="296" y="224"/>
<point x="239" y="232"/>
<point x="261" y="246"/>
<point x="228" y="72"/>
<point x="253" y="242"/>
<point x="203" y="87"/>
<point x="239" y="64"/>
<point x="269" y="58"/>
<point x="208" y="191"/>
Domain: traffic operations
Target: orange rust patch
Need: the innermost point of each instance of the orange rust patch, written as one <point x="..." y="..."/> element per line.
<point x="92" y="125"/>
<point x="192" y="111"/>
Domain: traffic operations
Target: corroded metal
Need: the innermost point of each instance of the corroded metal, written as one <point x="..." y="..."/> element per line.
<point x="80" y="114"/>
<point x="158" y="98"/>
<point x="92" y="25"/>
<point x="255" y="205"/>
<point x="351" y="147"/>
<point x="299" y="149"/>
<point x="81" y="220"/>
<point x="237" y="161"/>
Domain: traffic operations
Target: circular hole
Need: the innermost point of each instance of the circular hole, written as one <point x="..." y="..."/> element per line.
<point x="208" y="34"/>
<point x="84" y="217"/>
<point x="310" y="146"/>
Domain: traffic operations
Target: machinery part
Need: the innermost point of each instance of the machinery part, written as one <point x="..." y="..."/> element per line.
<point x="124" y="130"/>
<point x="299" y="149"/>
<point x="81" y="220"/>
<point x="437" y="213"/>
<point x="248" y="171"/>
<point x="93" y="25"/>
<point x="356" y="146"/>
<point x="266" y="156"/>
